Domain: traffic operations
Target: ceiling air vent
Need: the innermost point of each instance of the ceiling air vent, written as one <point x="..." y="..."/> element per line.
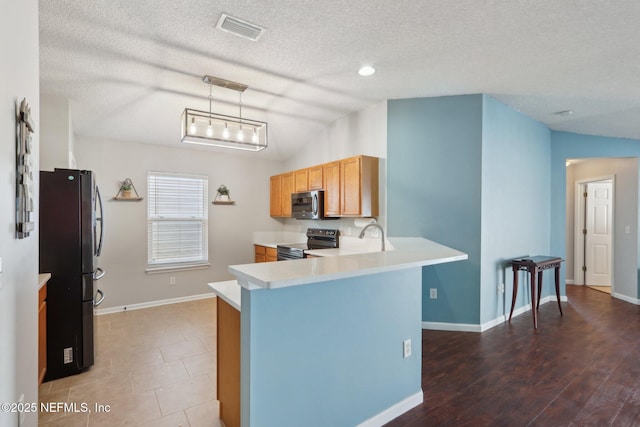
<point x="239" y="27"/>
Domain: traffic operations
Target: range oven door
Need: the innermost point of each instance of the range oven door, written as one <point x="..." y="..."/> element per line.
<point x="286" y="253"/>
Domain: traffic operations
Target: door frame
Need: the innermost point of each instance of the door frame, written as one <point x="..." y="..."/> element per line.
<point x="579" y="224"/>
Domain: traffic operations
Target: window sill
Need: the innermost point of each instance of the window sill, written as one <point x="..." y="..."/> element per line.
<point x="167" y="269"/>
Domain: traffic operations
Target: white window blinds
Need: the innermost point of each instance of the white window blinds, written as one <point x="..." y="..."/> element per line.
<point x="177" y="219"/>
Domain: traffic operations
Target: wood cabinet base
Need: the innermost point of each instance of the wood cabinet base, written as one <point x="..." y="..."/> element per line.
<point x="228" y="363"/>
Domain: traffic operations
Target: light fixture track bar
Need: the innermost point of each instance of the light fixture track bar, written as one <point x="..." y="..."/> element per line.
<point x="224" y="83"/>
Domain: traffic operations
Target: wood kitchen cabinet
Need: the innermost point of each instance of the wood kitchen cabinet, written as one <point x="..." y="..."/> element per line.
<point x="275" y="199"/>
<point x="260" y="253"/>
<point x="265" y="254"/>
<point x="228" y="362"/>
<point x="315" y="177"/>
<point x="359" y="186"/>
<point x="42" y="327"/>
<point x="331" y="179"/>
<point x="301" y="180"/>
<point x="350" y="187"/>
<point x="281" y="187"/>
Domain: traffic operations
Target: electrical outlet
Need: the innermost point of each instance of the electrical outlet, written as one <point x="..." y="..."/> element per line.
<point x="501" y="288"/>
<point x="406" y="348"/>
<point x="172" y="281"/>
<point x="433" y="293"/>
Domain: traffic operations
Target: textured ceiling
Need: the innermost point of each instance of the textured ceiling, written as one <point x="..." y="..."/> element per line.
<point x="129" y="68"/>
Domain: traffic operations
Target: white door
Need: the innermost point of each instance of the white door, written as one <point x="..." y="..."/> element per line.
<point x="598" y="238"/>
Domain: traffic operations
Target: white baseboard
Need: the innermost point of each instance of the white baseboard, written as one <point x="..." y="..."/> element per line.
<point x="470" y="327"/>
<point x="569" y="282"/>
<point x="101" y="311"/>
<point x="394" y="411"/>
<point x="626" y="298"/>
<point x="453" y="327"/>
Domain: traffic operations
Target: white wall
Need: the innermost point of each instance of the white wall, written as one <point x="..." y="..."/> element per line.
<point x="363" y="132"/>
<point x="18" y="280"/>
<point x="230" y="227"/>
<point x="56" y="133"/>
<point x="625" y="214"/>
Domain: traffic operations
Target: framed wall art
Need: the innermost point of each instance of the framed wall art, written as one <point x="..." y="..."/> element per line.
<point x="24" y="171"/>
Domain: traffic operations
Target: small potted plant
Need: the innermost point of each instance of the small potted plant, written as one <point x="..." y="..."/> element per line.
<point x="223" y="194"/>
<point x="125" y="188"/>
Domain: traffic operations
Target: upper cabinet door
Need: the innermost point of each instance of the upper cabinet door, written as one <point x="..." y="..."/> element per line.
<point x="302" y="181"/>
<point x="275" y="199"/>
<point x="331" y="178"/>
<point x="315" y="178"/>
<point x="287" y="188"/>
<point x="351" y="186"/>
<point x="359" y="186"/>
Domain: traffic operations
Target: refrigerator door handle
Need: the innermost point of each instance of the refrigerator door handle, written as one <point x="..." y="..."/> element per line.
<point x="99" y="301"/>
<point x="98" y="274"/>
<point x="99" y="219"/>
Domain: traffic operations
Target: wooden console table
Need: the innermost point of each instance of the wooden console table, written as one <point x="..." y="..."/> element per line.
<point x="534" y="265"/>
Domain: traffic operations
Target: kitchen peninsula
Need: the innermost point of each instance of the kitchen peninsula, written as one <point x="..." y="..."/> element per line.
<point x="334" y="340"/>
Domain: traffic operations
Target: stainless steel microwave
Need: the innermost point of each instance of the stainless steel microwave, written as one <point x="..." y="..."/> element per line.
<point x="308" y="205"/>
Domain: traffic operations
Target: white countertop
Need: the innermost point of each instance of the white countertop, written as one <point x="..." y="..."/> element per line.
<point x="229" y="291"/>
<point x="408" y="252"/>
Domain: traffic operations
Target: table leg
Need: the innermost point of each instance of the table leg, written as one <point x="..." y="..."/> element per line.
<point x="558" y="288"/>
<point x="533" y="298"/>
<point x="515" y="291"/>
<point x="539" y="289"/>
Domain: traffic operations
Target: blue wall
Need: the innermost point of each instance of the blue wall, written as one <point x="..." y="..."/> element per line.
<point x="515" y="202"/>
<point x="434" y="152"/>
<point x="330" y="353"/>
<point x="564" y="146"/>
<point x="468" y="172"/>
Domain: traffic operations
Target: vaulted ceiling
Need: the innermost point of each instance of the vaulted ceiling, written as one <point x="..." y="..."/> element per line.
<point x="129" y="68"/>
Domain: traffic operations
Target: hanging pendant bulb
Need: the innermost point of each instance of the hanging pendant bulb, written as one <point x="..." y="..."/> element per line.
<point x="225" y="132"/>
<point x="193" y="128"/>
<point x="209" y="130"/>
<point x="254" y="137"/>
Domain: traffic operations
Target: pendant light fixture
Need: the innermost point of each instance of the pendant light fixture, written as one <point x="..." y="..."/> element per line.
<point x="218" y="130"/>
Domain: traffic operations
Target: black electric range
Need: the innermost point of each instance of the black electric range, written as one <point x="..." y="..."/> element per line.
<point x="317" y="238"/>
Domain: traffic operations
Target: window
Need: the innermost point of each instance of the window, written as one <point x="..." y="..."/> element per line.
<point x="177" y="221"/>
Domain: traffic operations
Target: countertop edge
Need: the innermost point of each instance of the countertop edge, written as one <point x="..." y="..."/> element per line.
<point x="43" y="278"/>
<point x="229" y="291"/>
<point x="409" y="253"/>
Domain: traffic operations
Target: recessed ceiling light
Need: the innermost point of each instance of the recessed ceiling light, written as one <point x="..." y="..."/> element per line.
<point x="366" y="70"/>
<point x="564" y="113"/>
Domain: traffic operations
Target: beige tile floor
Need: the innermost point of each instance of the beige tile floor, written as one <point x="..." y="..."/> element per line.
<point x="154" y="367"/>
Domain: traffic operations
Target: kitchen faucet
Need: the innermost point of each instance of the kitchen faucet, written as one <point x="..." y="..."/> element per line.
<point x="376" y="226"/>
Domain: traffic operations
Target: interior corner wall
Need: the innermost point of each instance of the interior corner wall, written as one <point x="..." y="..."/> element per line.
<point x="515" y="202"/>
<point x="19" y="69"/>
<point x="434" y="149"/>
<point x="566" y="145"/>
<point x="56" y="139"/>
<point x="231" y="227"/>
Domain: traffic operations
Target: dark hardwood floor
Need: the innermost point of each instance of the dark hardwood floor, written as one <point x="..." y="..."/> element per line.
<point x="582" y="369"/>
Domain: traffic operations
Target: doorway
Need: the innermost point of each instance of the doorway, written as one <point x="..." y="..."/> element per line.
<point x="594" y="233"/>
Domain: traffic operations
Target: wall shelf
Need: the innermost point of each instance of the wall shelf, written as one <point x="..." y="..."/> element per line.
<point x="127" y="199"/>
<point x="223" y="202"/>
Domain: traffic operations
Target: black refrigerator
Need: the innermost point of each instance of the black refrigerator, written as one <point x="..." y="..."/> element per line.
<point x="71" y="236"/>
